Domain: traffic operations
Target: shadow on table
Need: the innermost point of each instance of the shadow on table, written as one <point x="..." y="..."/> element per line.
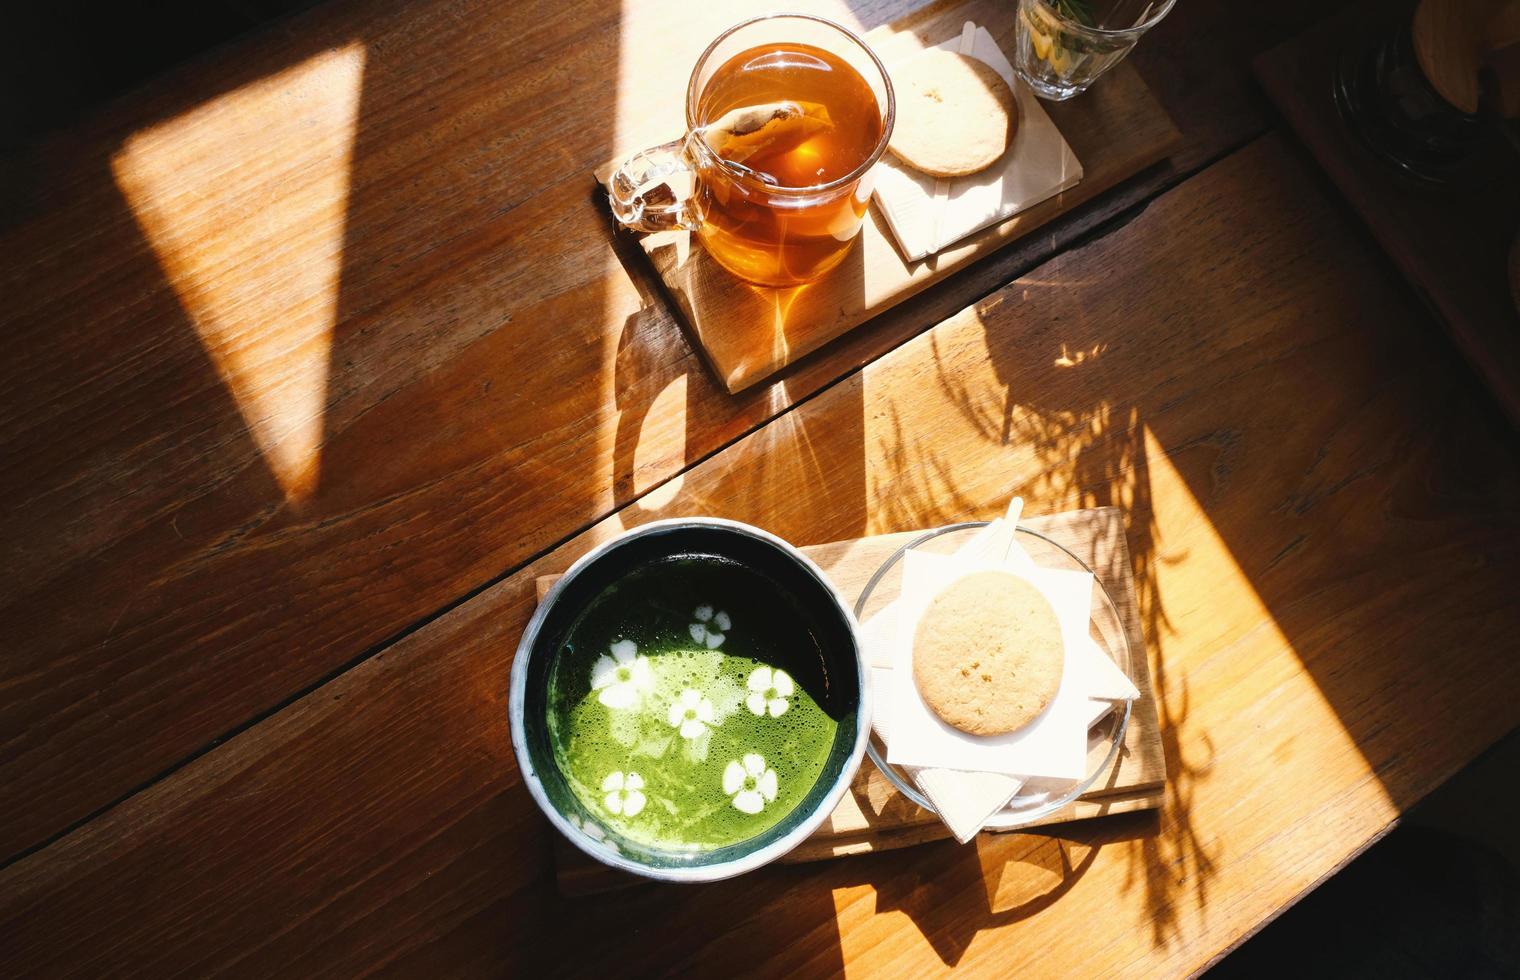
<point x="1093" y="444"/>
<point x="1349" y="473"/>
<point x="325" y="382"/>
<point x="1066" y="396"/>
<point x="1089" y="457"/>
<point x="664" y="387"/>
<point x="951" y="892"/>
<point x="1089" y="451"/>
<point x="946" y="892"/>
<point x="395" y="336"/>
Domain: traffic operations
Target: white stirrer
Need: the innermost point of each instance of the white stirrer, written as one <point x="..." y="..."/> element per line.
<point x="1001" y="544"/>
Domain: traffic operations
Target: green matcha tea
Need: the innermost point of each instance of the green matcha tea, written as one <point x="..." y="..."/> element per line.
<point x="686" y="705"/>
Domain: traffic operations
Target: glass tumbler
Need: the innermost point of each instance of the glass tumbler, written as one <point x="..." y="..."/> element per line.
<point x="1064" y="45"/>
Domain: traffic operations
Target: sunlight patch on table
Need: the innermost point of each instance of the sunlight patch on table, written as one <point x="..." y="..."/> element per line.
<point x="1201" y="609"/>
<point x="936" y="439"/>
<point x="252" y="240"/>
<point x="984" y="406"/>
<point x="661" y="447"/>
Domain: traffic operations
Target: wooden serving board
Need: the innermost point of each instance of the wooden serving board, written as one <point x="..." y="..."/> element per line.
<point x="874" y="816"/>
<point x="749" y="332"/>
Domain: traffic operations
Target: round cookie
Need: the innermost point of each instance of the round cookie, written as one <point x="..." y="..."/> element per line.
<point x="987" y="654"/>
<point x="955" y="115"/>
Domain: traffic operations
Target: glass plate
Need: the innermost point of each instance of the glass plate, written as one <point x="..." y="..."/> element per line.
<point x="1107" y="630"/>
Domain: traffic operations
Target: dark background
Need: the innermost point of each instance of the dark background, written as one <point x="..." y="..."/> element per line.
<point x="58" y="58"/>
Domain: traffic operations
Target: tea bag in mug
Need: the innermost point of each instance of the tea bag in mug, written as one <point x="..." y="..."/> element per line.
<point x="771" y="127"/>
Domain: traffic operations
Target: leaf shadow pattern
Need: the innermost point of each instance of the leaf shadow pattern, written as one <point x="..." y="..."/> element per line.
<point x="950" y="893"/>
<point x="1072" y="443"/>
<point x="917" y="487"/>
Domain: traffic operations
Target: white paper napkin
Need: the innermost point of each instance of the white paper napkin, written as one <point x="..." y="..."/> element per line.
<point x="966" y="800"/>
<point x="1105" y="681"/>
<point x="1038" y="165"/>
<point x="1054" y="744"/>
<point x="963" y="800"/>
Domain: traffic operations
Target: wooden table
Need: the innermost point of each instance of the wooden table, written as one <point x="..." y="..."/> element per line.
<point x="319" y="353"/>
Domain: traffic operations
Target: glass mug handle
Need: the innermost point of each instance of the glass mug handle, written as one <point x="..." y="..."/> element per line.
<point x="642" y="196"/>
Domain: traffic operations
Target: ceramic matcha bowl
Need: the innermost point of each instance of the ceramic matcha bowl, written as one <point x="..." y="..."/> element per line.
<point x="689" y="701"/>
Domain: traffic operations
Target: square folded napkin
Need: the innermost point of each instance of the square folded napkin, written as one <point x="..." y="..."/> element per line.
<point x="1054" y="744"/>
<point x="962" y="775"/>
<point x="1038" y="165"/>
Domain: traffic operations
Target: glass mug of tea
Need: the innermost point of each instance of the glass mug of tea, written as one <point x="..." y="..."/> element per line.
<point x="785" y="116"/>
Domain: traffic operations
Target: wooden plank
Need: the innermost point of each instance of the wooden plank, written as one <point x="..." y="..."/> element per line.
<point x="1305" y="478"/>
<point x="749" y="334"/>
<point x="874" y="815"/>
<point x="1453" y="242"/>
<point x="907" y="834"/>
<point x="494" y="381"/>
<point x="329" y="314"/>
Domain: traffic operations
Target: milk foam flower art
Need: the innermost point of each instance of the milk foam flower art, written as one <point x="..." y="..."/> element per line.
<point x="625" y="794"/>
<point x="622" y="677"/>
<point x="751" y="783"/>
<point x="711" y="628"/>
<point x="691" y="712"/>
<point x="768" y="691"/>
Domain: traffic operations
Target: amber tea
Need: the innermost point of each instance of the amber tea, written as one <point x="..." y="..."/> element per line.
<point x="786" y="117"/>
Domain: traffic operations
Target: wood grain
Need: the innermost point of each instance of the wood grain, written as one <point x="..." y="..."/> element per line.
<point x="1304" y="477"/>
<point x="494" y="381"/>
<point x="1451" y="242"/>
<point x="749" y="333"/>
<point x="577" y="876"/>
<point x="307" y="342"/>
<point x="874" y="815"/>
